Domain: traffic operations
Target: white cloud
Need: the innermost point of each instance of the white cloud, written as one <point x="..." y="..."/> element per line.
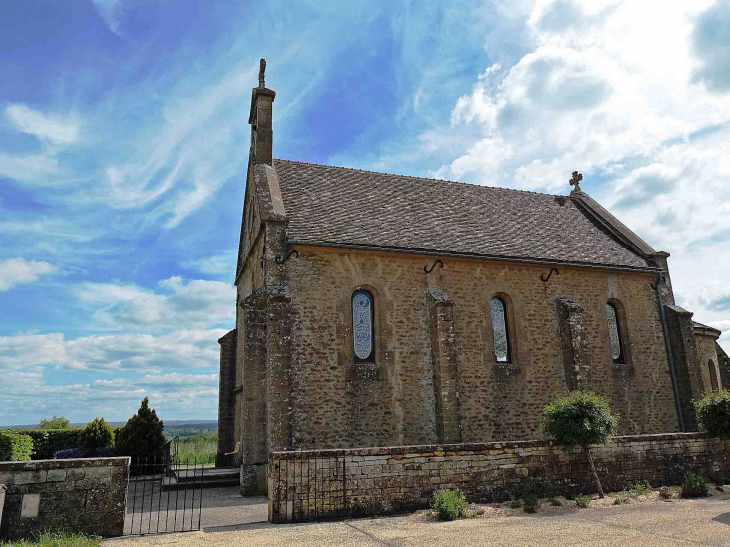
<point x="194" y="304"/>
<point x="16" y="271"/>
<point x="179" y="349"/>
<point x="223" y="264"/>
<point x="111" y="12"/>
<point x="31" y="168"/>
<point x="54" y="129"/>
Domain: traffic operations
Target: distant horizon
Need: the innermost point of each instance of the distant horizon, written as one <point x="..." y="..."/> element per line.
<point x="112" y="423"/>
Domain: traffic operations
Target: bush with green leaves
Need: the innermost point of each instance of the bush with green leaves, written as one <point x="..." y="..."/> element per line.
<point x="449" y="504"/>
<point x="622" y="498"/>
<point x="141" y="437"/>
<point x="57" y="422"/>
<point x="639" y="489"/>
<point x="530" y="503"/>
<point x="695" y="486"/>
<point x="581" y="418"/>
<point x="582" y="502"/>
<point x="97" y="434"/>
<point x="15" y="448"/>
<point x="713" y="413"/>
<point x="47" y="442"/>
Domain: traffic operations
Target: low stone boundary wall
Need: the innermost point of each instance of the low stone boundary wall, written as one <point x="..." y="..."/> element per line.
<point x="315" y="484"/>
<point x="79" y="495"/>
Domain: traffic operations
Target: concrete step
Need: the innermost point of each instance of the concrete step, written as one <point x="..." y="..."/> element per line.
<point x="209" y="476"/>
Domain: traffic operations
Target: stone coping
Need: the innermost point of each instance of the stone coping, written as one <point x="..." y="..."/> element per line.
<point x="69" y="463"/>
<point x="471" y="447"/>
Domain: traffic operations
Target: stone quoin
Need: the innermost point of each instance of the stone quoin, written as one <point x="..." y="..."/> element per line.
<point x="383" y="310"/>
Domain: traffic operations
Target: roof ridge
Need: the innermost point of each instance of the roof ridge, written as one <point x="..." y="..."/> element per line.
<point x="425" y="178"/>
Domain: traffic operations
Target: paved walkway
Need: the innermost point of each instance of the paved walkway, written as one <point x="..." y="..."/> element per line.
<point x="682" y="523"/>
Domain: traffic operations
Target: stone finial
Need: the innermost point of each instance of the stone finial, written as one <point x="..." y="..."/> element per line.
<point x="575" y="181"/>
<point x="262" y="69"/>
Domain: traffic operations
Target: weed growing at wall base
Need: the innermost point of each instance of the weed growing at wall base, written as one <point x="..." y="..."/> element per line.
<point x="695" y="486"/>
<point x="449" y="504"/>
<point x="56" y="540"/>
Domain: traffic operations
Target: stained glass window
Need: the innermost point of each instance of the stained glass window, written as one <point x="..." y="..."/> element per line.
<point x="713" y="375"/>
<point x="614" y="334"/>
<point x="362" y="325"/>
<point x="498" y="310"/>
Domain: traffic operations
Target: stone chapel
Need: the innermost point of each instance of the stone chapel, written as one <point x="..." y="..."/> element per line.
<point x="376" y="309"/>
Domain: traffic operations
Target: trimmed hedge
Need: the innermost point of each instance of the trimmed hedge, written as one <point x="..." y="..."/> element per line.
<point x="15" y="448"/>
<point x="46" y="442"/>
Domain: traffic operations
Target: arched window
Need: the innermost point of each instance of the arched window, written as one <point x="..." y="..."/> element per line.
<point x="713" y="375"/>
<point x="500" y="331"/>
<point x="363" y="340"/>
<point x="614" y="334"/>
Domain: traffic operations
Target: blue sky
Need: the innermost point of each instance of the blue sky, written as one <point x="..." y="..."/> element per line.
<point x="124" y="141"/>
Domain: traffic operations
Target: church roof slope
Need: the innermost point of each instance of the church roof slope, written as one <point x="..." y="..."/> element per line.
<point x="340" y="206"/>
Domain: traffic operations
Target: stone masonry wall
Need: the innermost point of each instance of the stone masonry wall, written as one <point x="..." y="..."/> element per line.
<point x="435" y="378"/>
<point x="79" y="495"/>
<point x="309" y="485"/>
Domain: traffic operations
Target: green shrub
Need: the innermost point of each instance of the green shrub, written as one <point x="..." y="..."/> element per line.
<point x="695" y="486"/>
<point x="141" y="437"/>
<point x="582" y="502"/>
<point x="531" y="503"/>
<point x="46" y="442"/>
<point x="449" y="504"/>
<point x="97" y="434"/>
<point x="515" y="504"/>
<point x="581" y="418"/>
<point x="639" y="489"/>
<point x="622" y="499"/>
<point x="57" y="422"/>
<point x="713" y="413"/>
<point x="15" y="448"/>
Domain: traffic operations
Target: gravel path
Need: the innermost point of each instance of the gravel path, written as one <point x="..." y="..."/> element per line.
<point x="704" y="522"/>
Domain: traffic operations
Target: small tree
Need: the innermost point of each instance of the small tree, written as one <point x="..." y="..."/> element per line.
<point x="141" y="437"/>
<point x="97" y="434"/>
<point x="713" y="413"/>
<point x="582" y="419"/>
<point x="57" y="422"/>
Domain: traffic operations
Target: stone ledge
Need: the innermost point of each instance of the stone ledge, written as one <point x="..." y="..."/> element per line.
<point x="419" y="450"/>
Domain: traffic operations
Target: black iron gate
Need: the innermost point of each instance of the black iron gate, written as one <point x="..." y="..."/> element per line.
<point x="164" y="495"/>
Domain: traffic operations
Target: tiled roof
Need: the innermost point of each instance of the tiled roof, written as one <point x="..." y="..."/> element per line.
<point x="336" y="205"/>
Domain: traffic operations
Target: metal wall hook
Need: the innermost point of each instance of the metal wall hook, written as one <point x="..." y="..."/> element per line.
<point x="438" y="261"/>
<point x="280" y="259"/>
<point x="546" y="279"/>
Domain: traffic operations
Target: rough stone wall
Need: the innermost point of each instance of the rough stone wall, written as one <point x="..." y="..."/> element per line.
<point x="683" y="345"/>
<point x="338" y="403"/>
<point x="309" y="485"/>
<point x="80" y="495"/>
<point x="705" y="353"/>
<point x="226" y="400"/>
<point x="724" y="366"/>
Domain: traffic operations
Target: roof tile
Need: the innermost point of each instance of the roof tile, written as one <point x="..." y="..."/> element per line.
<point x="347" y="206"/>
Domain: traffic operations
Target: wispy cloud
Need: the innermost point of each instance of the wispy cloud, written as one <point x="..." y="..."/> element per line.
<point x="180" y="349"/>
<point x="54" y="129"/>
<point x="222" y="264"/>
<point x="29" y="168"/>
<point x="111" y="12"/>
<point x="16" y="271"/>
<point x="193" y="304"/>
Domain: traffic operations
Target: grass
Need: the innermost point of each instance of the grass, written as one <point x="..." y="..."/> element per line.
<point x="56" y="540"/>
<point x="198" y="448"/>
